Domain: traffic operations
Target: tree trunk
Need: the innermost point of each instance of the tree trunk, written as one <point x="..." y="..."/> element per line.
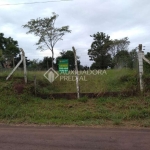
<point x="52" y="58"/>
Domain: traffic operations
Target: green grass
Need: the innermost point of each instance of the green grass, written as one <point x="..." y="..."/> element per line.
<point x="111" y="81"/>
<point x="26" y="109"/>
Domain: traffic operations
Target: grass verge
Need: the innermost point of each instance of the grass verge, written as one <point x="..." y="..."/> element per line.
<point x="24" y="109"/>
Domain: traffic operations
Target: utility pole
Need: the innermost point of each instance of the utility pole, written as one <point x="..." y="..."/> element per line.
<point x="76" y="72"/>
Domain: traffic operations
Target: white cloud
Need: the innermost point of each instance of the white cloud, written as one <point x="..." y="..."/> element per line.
<point x="132" y="32"/>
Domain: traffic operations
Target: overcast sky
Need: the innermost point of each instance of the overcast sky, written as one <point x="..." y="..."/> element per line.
<point x="116" y="18"/>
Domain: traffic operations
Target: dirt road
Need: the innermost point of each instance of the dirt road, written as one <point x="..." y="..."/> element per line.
<point x="72" y="138"/>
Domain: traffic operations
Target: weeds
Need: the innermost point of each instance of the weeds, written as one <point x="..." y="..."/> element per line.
<point x="25" y="107"/>
<point x="94" y="83"/>
<point x="28" y="109"/>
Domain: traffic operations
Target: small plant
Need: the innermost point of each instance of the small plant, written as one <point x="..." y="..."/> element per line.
<point x="83" y="99"/>
<point x="117" y="122"/>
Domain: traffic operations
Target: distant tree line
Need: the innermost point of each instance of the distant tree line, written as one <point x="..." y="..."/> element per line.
<point x="108" y="53"/>
<point x="46" y="63"/>
<point x="104" y="52"/>
<point x="8" y="51"/>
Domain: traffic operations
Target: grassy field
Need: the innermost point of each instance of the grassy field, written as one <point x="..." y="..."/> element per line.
<point x="110" y="80"/>
<point x="27" y="108"/>
<point x="127" y="112"/>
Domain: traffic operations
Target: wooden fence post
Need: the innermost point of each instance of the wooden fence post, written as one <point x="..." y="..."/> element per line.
<point x="76" y="72"/>
<point x="140" y="58"/>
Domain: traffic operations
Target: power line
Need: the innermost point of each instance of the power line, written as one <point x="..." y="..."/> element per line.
<point x="33" y="2"/>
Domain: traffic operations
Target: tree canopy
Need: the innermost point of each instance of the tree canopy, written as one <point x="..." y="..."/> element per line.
<point x="119" y="45"/>
<point x="99" y="51"/>
<point x="9" y="50"/>
<point x="48" y="34"/>
<point x="111" y="53"/>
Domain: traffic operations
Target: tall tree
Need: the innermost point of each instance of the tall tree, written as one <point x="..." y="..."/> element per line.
<point x="99" y="51"/>
<point x="122" y="59"/>
<point x="48" y="34"/>
<point x="9" y="48"/>
<point x="133" y="59"/>
<point x="119" y="45"/>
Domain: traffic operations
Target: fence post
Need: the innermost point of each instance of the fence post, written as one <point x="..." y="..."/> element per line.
<point x="140" y="58"/>
<point x="24" y="66"/>
<point x="76" y="72"/>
